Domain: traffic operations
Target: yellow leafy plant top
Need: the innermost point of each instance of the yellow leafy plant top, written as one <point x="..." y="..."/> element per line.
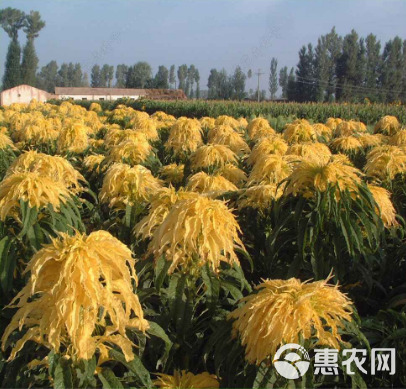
<point x="31" y="187"/>
<point x="185" y="379"/>
<point x="283" y="310"/>
<point x="76" y="283"/>
<point x="124" y="185"/>
<point x="197" y="231"/>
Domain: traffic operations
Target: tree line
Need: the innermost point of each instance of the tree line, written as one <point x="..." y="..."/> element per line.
<point x="338" y="68"/>
<point x="20" y="70"/>
<point x="349" y="68"/>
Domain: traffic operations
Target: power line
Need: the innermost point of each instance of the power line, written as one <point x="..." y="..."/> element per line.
<point x="312" y="81"/>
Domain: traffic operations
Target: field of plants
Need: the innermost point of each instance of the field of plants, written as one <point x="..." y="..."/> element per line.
<point x="318" y="112"/>
<point x="141" y="249"/>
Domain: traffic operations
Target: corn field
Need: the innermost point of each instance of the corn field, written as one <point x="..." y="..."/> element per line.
<point x="150" y="250"/>
<point x="316" y="112"/>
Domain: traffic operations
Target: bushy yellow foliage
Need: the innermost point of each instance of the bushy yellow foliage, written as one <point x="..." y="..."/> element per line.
<point x="226" y="135"/>
<point x="388" y="125"/>
<point x="173" y="173"/>
<point x="212" y="155"/>
<point x="125" y="185"/>
<point x="310" y="176"/>
<point x="31" y="187"/>
<point x="267" y="145"/>
<point x="185" y="379"/>
<point x="185" y="137"/>
<point x="212" y="184"/>
<point x="78" y="283"/>
<point x="54" y="167"/>
<point x="282" y="311"/>
<point x="258" y="128"/>
<point x="299" y="131"/>
<point x="270" y="169"/>
<point x="73" y="138"/>
<point x="385" y="162"/>
<point x="189" y="234"/>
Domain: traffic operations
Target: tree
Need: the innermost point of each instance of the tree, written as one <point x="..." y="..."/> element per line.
<point x="392" y="70"/>
<point x="190" y="80"/>
<point x="85" y="80"/>
<point x="321" y="69"/>
<point x="291" y="87"/>
<point x="262" y="95"/>
<point x="32" y="27"/>
<point x="12" y="72"/>
<point x="347" y="67"/>
<point x="373" y="65"/>
<point x="283" y="81"/>
<point x="273" y="78"/>
<point x="121" y="75"/>
<point x="305" y="81"/>
<point x="63" y="77"/>
<point x="139" y="75"/>
<point x="197" y="79"/>
<point x="334" y="45"/>
<point x="47" y="77"/>
<point x="249" y="73"/>
<point x="12" y="20"/>
<point x="213" y="84"/>
<point x="182" y="75"/>
<point x="225" y="87"/>
<point x="172" y="78"/>
<point x="95" y="77"/>
<point x="77" y="75"/>
<point x="106" y="75"/>
<point x="161" y="78"/>
<point x="71" y="74"/>
<point x="360" y="69"/>
<point x="238" y="82"/>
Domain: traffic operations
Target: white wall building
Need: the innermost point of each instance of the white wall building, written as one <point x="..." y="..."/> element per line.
<point x="85" y="93"/>
<point x="24" y="94"/>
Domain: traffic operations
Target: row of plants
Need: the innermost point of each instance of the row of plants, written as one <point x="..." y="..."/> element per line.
<point x="143" y="250"/>
<point x="315" y="112"/>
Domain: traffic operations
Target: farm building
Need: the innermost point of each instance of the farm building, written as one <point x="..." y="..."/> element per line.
<point x="86" y="93"/>
<point x="24" y="94"/>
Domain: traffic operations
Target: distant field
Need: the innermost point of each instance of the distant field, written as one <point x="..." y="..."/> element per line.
<point x="316" y="112"/>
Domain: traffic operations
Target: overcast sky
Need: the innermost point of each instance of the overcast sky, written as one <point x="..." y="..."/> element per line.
<point x="207" y="33"/>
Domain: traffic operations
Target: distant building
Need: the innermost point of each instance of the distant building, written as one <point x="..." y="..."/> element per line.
<point x="26" y="93"/>
<point x="108" y="94"/>
<point x="84" y="93"/>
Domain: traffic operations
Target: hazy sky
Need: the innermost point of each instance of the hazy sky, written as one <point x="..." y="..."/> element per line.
<point x="207" y="33"/>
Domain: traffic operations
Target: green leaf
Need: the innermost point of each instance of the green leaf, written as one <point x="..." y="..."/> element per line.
<point x="63" y="375"/>
<point x="109" y="380"/>
<point x="161" y="271"/>
<point x="156" y="330"/>
<point x="135" y="367"/>
<point x="7" y="264"/>
<point x="264" y="376"/>
<point x="29" y="217"/>
<point x="212" y="283"/>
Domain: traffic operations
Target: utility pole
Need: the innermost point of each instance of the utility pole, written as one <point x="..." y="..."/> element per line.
<point x="258" y="73"/>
